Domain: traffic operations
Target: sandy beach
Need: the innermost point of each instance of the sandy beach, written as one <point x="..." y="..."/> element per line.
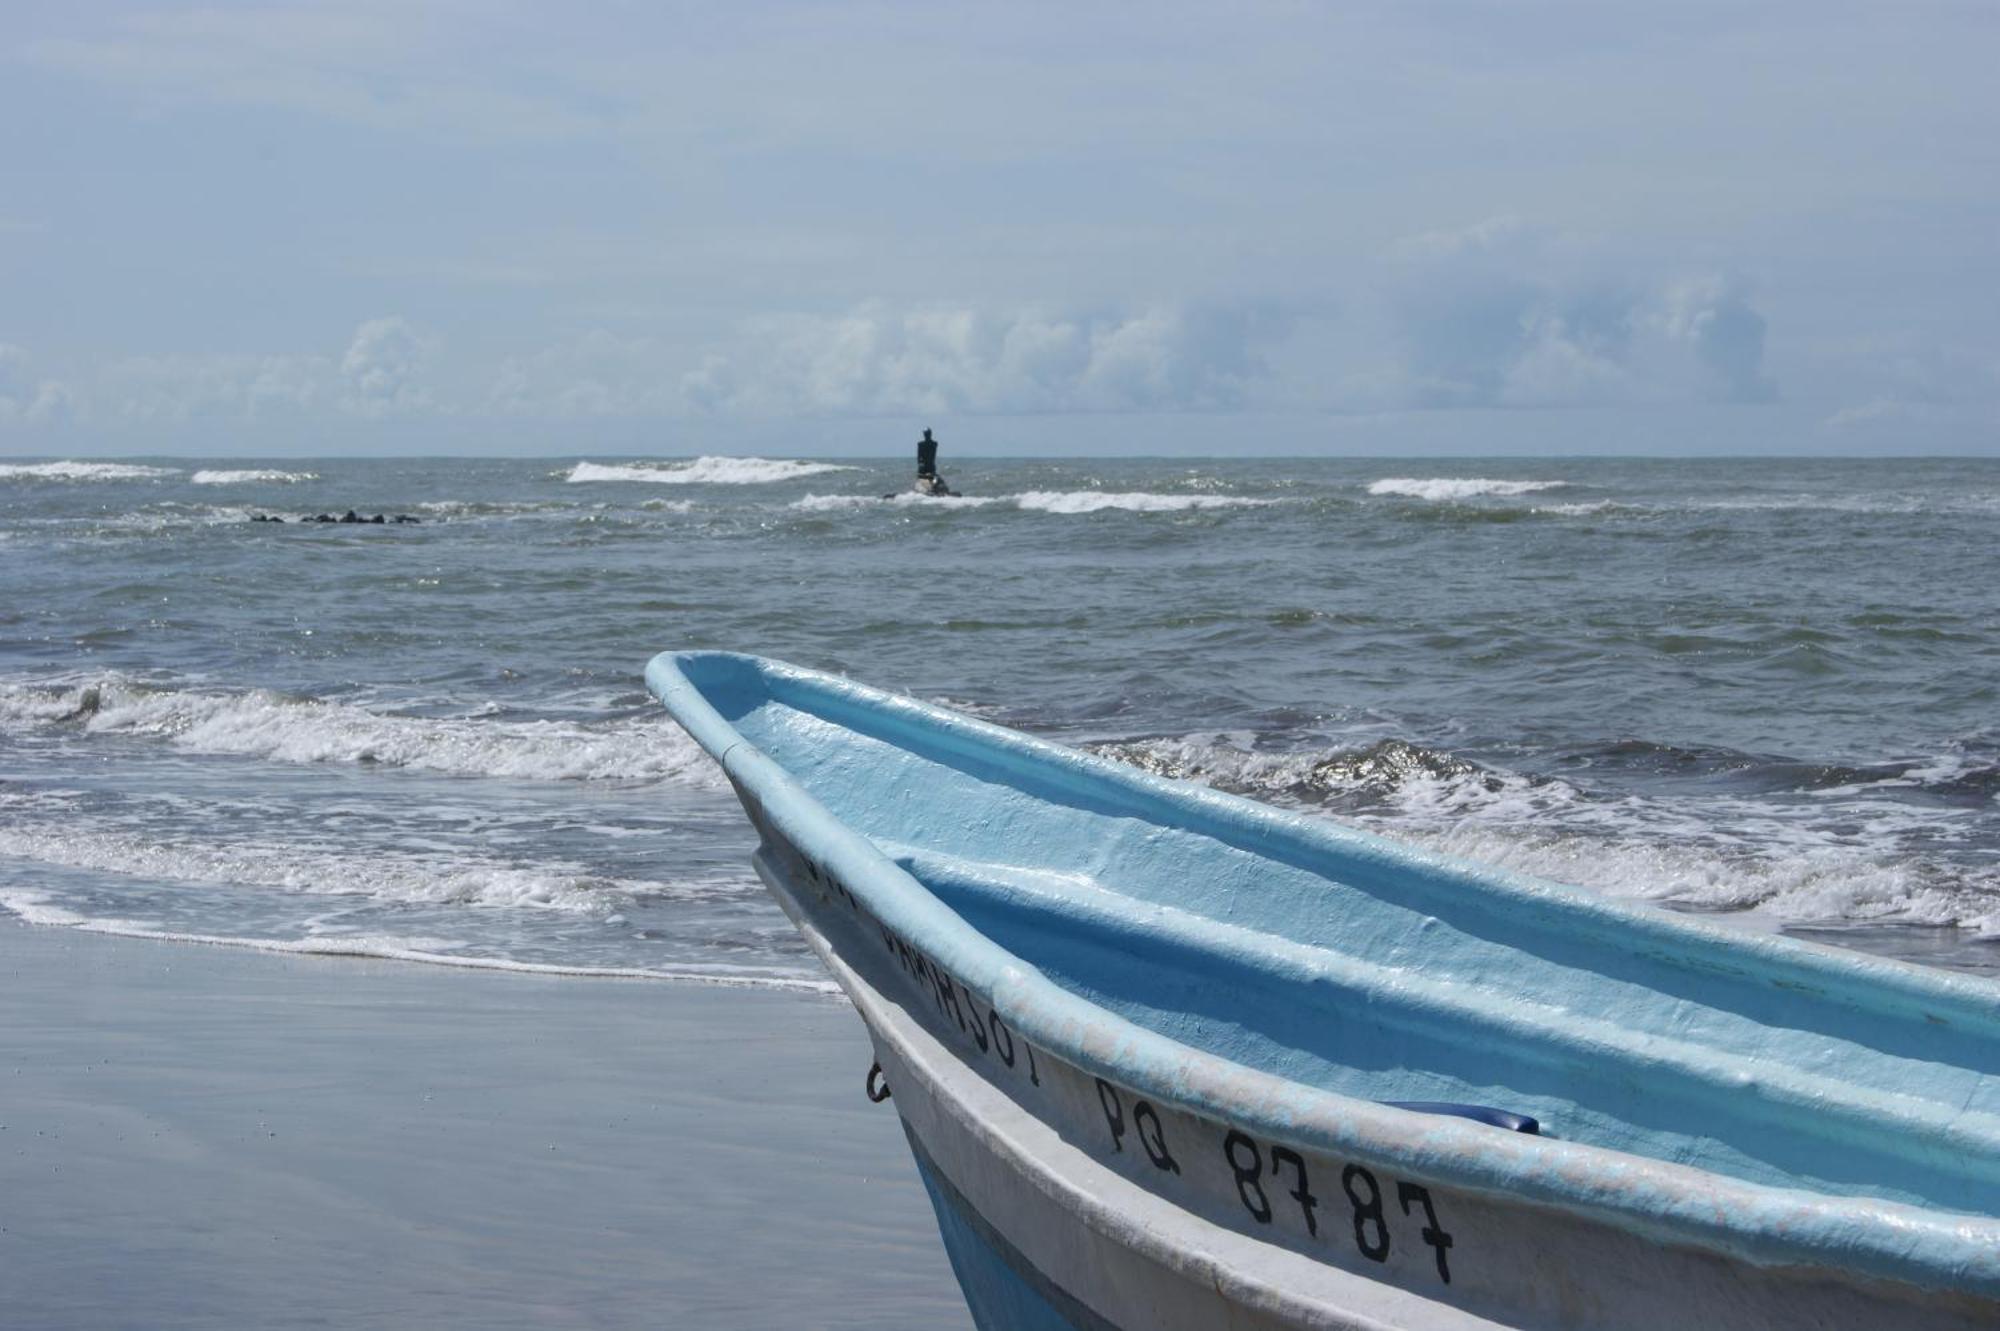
<point x="210" y="1136"/>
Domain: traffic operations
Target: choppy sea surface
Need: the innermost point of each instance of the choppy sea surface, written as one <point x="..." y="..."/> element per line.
<point x="1764" y="690"/>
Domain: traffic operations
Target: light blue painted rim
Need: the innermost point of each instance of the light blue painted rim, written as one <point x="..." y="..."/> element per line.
<point x="1763" y="1225"/>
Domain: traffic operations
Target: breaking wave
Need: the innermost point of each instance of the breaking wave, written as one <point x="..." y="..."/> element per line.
<point x="1584" y="510"/>
<point x="1039" y="501"/>
<point x="1777" y="864"/>
<point x="255" y="476"/>
<point x="160" y="517"/>
<point x="82" y="471"/>
<point x="1342" y="776"/>
<point x="1092" y="501"/>
<point x="277" y="727"/>
<point x="704" y="471"/>
<point x="1447" y="488"/>
<point x="497" y="508"/>
<point x="835" y="503"/>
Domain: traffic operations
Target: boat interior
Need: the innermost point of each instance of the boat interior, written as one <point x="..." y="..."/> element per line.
<point x="1337" y="960"/>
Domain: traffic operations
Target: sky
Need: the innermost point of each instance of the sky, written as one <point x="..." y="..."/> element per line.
<point x="1244" y="228"/>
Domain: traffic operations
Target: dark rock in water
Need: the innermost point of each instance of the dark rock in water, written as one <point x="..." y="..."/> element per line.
<point x="348" y="518"/>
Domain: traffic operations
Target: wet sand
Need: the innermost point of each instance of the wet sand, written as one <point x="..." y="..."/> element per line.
<point x="206" y="1136"/>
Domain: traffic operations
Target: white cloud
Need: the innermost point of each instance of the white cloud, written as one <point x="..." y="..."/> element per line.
<point x="711" y="385"/>
<point x="379" y="375"/>
<point x="1875" y="411"/>
<point x="382" y="369"/>
<point x="1902" y="380"/>
<point x="1505" y="313"/>
<point x="27" y="398"/>
<point x="185" y="387"/>
<point x="597" y="374"/>
<point x="1558" y="365"/>
<point x="882" y="360"/>
<point x="1713" y="315"/>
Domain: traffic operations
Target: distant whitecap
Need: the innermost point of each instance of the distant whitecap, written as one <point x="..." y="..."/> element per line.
<point x="252" y="477"/>
<point x="1445" y="488"/>
<point x="81" y="471"/>
<point x="1037" y="501"/>
<point x="703" y="471"/>
<point x="1093" y="501"/>
<point x="938" y="503"/>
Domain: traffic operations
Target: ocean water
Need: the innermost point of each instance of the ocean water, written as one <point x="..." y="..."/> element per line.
<point x="1761" y="690"/>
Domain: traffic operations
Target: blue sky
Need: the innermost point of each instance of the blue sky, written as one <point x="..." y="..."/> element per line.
<point x="1243" y="228"/>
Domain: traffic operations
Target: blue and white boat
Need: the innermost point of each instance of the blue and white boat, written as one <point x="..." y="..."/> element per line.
<point x="1173" y="1059"/>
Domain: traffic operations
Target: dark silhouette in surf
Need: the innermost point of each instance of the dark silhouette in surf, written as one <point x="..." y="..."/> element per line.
<point x="929" y="482"/>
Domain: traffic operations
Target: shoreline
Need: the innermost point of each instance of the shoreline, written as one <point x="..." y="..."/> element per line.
<point x="198" y="1135"/>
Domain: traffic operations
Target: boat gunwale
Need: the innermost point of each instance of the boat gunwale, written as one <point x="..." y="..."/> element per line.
<point x="1763" y="1224"/>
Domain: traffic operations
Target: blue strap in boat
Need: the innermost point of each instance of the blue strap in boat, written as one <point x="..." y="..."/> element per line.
<point x="1499" y="1118"/>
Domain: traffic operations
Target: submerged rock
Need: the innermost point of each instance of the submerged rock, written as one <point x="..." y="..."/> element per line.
<point x="350" y="517"/>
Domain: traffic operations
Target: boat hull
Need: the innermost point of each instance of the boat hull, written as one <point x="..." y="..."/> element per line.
<point x="1066" y="1201"/>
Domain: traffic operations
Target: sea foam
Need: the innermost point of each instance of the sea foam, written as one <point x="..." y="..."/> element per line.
<point x="255" y="476"/>
<point x="82" y="471"/>
<point x="434" y="878"/>
<point x="1093" y="501"/>
<point x="942" y="503"/>
<point x="260" y="723"/>
<point x="40" y="908"/>
<point x="704" y="471"/>
<point x="1760" y="866"/>
<point x="1447" y="488"/>
<point x="1039" y="501"/>
<point x="1800" y="876"/>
